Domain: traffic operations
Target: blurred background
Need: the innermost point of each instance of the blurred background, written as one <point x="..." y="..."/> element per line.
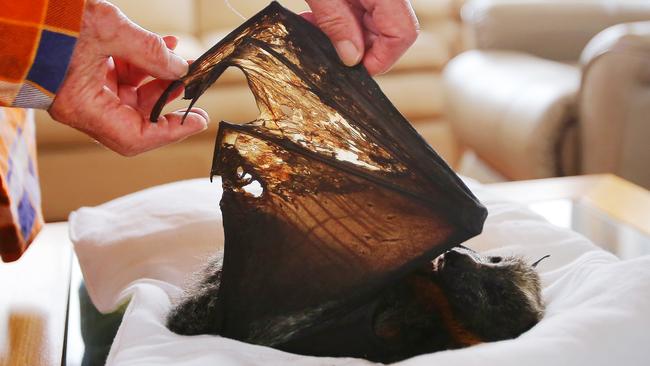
<point x="501" y="89"/>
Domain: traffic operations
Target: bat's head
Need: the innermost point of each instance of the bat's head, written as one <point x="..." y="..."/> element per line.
<point x="462" y="298"/>
<point x="493" y="297"/>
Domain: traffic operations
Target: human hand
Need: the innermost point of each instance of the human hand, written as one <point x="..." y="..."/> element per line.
<point x="104" y="94"/>
<point x="375" y="32"/>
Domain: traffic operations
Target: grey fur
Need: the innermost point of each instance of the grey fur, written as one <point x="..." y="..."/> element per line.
<point x="195" y="311"/>
<point x="494" y="298"/>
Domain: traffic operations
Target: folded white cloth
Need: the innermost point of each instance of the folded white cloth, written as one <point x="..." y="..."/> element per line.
<point x="142" y="247"/>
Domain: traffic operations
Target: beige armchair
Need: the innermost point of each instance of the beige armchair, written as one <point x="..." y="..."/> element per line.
<point x="553" y="88"/>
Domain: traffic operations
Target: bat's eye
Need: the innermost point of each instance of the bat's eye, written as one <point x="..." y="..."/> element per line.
<point x="495" y="259"/>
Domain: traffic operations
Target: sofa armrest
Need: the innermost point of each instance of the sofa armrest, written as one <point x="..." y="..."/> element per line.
<point x="513" y="110"/>
<point x="553" y="29"/>
<point x="628" y="38"/>
<point x="615" y="103"/>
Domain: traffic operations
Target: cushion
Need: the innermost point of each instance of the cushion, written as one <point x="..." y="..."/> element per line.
<point x="161" y="233"/>
<point x="189" y="47"/>
<point x="425" y="97"/>
<point x="142" y="247"/>
<point x="218" y="14"/>
<point x="172" y="16"/>
<point x="429" y="52"/>
<point x="214" y="15"/>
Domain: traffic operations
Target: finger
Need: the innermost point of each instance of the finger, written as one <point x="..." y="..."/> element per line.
<point x="396" y="27"/>
<point x="126" y="132"/>
<point x="111" y="80"/>
<point x="371" y="31"/>
<point x="147" y="51"/>
<point x="171" y="42"/>
<point x="309" y="16"/>
<point x="171" y="128"/>
<point x="195" y="110"/>
<point x="337" y="18"/>
<point x="148" y="94"/>
<point x="369" y="24"/>
<point x="370" y="39"/>
<point x="130" y="74"/>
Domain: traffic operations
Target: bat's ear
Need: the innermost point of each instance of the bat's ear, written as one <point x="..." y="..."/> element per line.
<point x="534" y="265"/>
<point x="160" y="104"/>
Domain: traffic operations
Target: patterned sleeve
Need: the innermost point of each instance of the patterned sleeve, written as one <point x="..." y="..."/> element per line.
<point x="37" y="38"/>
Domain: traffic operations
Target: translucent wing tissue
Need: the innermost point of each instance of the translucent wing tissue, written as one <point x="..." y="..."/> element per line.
<point x="329" y="196"/>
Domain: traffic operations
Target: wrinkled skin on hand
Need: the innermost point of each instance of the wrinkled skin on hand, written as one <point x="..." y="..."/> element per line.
<point x="373" y="32"/>
<point x="104" y="93"/>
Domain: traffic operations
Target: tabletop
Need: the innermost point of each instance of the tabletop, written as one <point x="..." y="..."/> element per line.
<point x="610" y="211"/>
<point x="615" y="196"/>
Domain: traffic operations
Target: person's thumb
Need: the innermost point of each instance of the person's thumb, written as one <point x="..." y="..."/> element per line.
<point x="149" y="52"/>
<point x="337" y="19"/>
<point x="119" y="37"/>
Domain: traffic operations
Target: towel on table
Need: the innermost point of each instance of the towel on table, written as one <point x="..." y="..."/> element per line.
<point x="141" y="247"/>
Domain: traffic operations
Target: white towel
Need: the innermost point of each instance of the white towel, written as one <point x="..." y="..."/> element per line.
<point x="142" y="246"/>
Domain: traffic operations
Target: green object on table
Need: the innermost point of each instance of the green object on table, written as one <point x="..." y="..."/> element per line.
<point x="97" y="330"/>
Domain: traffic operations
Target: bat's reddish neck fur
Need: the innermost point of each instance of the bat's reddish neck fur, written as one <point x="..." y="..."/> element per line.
<point x="433" y="299"/>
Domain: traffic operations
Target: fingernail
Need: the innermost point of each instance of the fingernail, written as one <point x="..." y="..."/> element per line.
<point x="348" y="52"/>
<point x="179" y="65"/>
<point x="201" y="113"/>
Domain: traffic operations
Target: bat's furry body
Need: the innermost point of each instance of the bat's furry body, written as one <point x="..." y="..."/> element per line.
<point x="459" y="299"/>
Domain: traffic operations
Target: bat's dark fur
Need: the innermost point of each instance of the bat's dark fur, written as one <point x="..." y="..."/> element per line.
<point x="460" y="299"/>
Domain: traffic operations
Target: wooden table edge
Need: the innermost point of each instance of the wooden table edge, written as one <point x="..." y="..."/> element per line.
<point x="622" y="200"/>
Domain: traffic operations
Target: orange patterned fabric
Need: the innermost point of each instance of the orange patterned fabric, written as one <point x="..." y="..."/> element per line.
<point x="37" y="38"/>
<point x="20" y="197"/>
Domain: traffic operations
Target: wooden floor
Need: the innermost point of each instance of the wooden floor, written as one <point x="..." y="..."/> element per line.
<point x="33" y="301"/>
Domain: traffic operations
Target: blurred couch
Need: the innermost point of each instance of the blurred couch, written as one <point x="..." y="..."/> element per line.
<point x="552" y="88"/>
<point x="76" y="171"/>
